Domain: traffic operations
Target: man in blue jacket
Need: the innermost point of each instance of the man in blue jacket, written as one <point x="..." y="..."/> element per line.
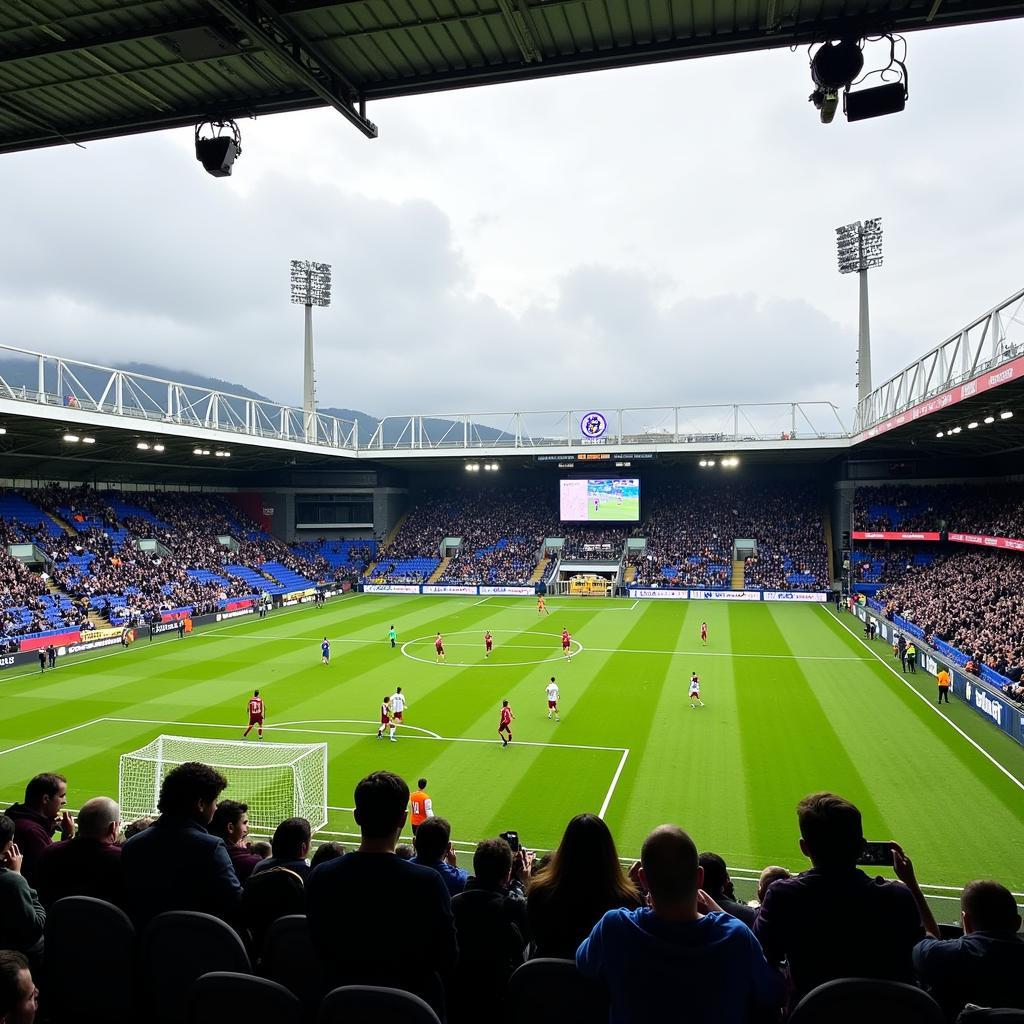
<point x="683" y="958"/>
<point x="175" y="864"/>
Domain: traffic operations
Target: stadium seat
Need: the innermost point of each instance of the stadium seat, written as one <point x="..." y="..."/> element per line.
<point x="268" y="896"/>
<point x="985" y="1015"/>
<point x="218" y="996"/>
<point x="550" y="991"/>
<point x="866" y="1001"/>
<point x="291" y="959"/>
<point x="177" y="948"/>
<point x="88" y="944"/>
<point x="354" y="1004"/>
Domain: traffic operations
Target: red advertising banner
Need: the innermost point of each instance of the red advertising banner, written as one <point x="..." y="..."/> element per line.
<point x="234" y="606"/>
<point x="876" y="535"/>
<point x="35" y="640"/>
<point x="1006" y="543"/>
<point x="1012" y="370"/>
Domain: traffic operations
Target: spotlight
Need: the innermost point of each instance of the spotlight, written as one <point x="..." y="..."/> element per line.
<point x="158" y="447"/>
<point x="197" y="451"/>
<point x="142" y="446"/>
<point x="956" y="430"/>
<point x="990" y="419"/>
<point x="72" y="438"/>
<point x="1006" y="415"/>
<point x="973" y="425"/>
<point x="217" y="151"/>
<point x="206" y="451"/>
<point x="468" y="467"/>
<point x="711" y="462"/>
<point x="703" y="462"/>
<point x="940" y="434"/>
<point x="3" y="430"/>
<point x="88" y="440"/>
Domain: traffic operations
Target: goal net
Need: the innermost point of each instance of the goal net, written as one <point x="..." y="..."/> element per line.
<point x="276" y="780"/>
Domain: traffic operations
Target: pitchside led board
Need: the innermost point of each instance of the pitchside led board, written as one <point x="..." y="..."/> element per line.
<point x="600" y="500"/>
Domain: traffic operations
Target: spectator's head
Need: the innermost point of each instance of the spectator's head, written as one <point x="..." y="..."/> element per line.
<point x="772" y="873"/>
<point x="133" y="828"/>
<point x="492" y="864"/>
<point x="421" y="784"/>
<point x="6" y="835"/>
<point x="405" y="852"/>
<point x="47" y="794"/>
<point x="261" y="848"/>
<point x="432" y="840"/>
<point x="988" y="907"/>
<point x="326" y="852"/>
<point x="717" y="882"/>
<point x="670" y="870"/>
<point x="381" y="800"/>
<point x="190" y="791"/>
<point x="231" y="822"/>
<point x="586" y="863"/>
<point x="830" y="830"/>
<point x="18" y="993"/>
<point x="291" y="839"/>
<point x="100" y="819"/>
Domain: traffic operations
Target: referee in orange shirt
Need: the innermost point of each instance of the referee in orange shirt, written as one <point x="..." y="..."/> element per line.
<point x="421" y="806"/>
<point x="943" y="679"/>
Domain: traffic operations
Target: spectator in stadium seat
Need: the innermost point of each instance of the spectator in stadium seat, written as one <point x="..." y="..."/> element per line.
<point x="289" y="848"/>
<point x="41" y="814"/>
<point x="18" y="993"/>
<point x="834" y="921"/>
<point x="22" y="917"/>
<point x="326" y="852"/>
<point x="684" y="957"/>
<point x="770" y="874"/>
<point x="432" y="843"/>
<point x="133" y="828"/>
<point x="581" y="881"/>
<point x="88" y="865"/>
<point x="231" y="823"/>
<point x="986" y="964"/>
<point x="175" y="864"/>
<point x="375" y="918"/>
<point x="718" y="885"/>
<point x="492" y="929"/>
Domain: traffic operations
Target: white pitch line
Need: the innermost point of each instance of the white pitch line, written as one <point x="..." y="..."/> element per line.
<point x="713" y="654"/>
<point x="351" y="721"/>
<point x="920" y="696"/>
<point x="52" y="736"/>
<point x="615" y="782"/>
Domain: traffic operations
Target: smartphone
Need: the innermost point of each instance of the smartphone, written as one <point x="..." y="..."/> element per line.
<point x="876" y="854"/>
<point x="512" y="838"/>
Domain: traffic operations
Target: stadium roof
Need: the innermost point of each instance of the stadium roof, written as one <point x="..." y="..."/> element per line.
<point x="76" y="70"/>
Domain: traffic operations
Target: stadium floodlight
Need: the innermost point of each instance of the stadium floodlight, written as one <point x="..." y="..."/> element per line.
<point x="72" y="438"/>
<point x="1006" y="415"/>
<point x="197" y="451"/>
<point x="311" y="286"/>
<point x="858" y="249"/>
<point x="990" y="419"/>
<point x="88" y="440"/>
<point x="973" y="425"/>
<point x="158" y="447"/>
<point x="3" y="430"/>
<point x="941" y="433"/>
<point x="956" y="430"/>
<point x="142" y="446"/>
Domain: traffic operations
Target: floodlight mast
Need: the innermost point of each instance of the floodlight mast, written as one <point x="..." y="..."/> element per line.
<point x="311" y="286"/>
<point x="858" y="248"/>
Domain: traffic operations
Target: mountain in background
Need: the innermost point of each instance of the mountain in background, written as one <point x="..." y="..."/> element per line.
<point x="22" y="373"/>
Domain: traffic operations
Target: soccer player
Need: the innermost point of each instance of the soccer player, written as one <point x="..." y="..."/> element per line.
<point x="704" y="633"/>
<point x="505" y="724"/>
<point x="552" y="691"/>
<point x="255" y="715"/>
<point x="397" y="709"/>
<point x="566" y="641"/>
<point x="488" y="644"/>
<point x="542" y="608"/>
<point x="325" y="652"/>
<point x="439" y="648"/>
<point x="695" y="691"/>
<point x="421" y="806"/>
<point x="385" y="716"/>
<point x="392" y="636"/>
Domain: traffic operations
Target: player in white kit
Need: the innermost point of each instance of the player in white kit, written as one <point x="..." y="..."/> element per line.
<point x="552" y="691"/>
<point x="397" y="710"/>
<point x="695" y="691"/>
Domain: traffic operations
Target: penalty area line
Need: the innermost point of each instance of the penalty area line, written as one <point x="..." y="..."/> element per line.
<point x="615" y="782"/>
<point x="920" y="696"/>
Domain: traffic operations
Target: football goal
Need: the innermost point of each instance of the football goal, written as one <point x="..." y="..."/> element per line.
<point x="276" y="780"/>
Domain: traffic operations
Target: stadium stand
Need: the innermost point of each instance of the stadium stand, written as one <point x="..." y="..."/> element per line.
<point x="967" y="508"/>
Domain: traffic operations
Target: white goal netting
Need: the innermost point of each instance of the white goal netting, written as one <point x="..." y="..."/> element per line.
<point x="276" y="780"/>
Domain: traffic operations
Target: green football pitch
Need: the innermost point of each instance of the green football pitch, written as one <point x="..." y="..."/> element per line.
<point x="795" y="702"/>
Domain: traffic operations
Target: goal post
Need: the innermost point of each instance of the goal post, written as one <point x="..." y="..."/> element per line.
<point x="276" y="780"/>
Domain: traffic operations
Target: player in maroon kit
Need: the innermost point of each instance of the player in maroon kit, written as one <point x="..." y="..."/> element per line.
<point x="255" y="715"/>
<point x="385" y="716"/>
<point x="566" y="641"/>
<point x="439" y="647"/>
<point x="704" y="633"/>
<point x="488" y="644"/>
<point x="505" y="724"/>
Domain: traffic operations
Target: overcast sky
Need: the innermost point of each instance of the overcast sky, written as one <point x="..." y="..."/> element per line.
<point x="643" y="237"/>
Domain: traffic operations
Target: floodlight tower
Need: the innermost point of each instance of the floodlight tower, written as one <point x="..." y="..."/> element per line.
<point x="311" y="286"/>
<point x="859" y="247"/>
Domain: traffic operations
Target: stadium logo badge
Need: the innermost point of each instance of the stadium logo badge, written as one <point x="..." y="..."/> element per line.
<point x="593" y="425"/>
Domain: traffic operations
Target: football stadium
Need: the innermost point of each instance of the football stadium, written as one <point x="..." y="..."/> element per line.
<point x="595" y="714"/>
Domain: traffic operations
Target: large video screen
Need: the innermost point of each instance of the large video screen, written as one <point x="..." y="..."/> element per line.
<point x="600" y="501"/>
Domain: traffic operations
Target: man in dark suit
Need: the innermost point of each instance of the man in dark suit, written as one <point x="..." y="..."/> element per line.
<point x="176" y="864"/>
<point x="88" y="865"/>
<point x="231" y="823"/>
<point x="375" y="918"/>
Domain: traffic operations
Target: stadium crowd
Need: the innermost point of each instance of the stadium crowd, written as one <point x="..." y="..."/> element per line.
<point x="665" y="940"/>
<point x="989" y="511"/>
